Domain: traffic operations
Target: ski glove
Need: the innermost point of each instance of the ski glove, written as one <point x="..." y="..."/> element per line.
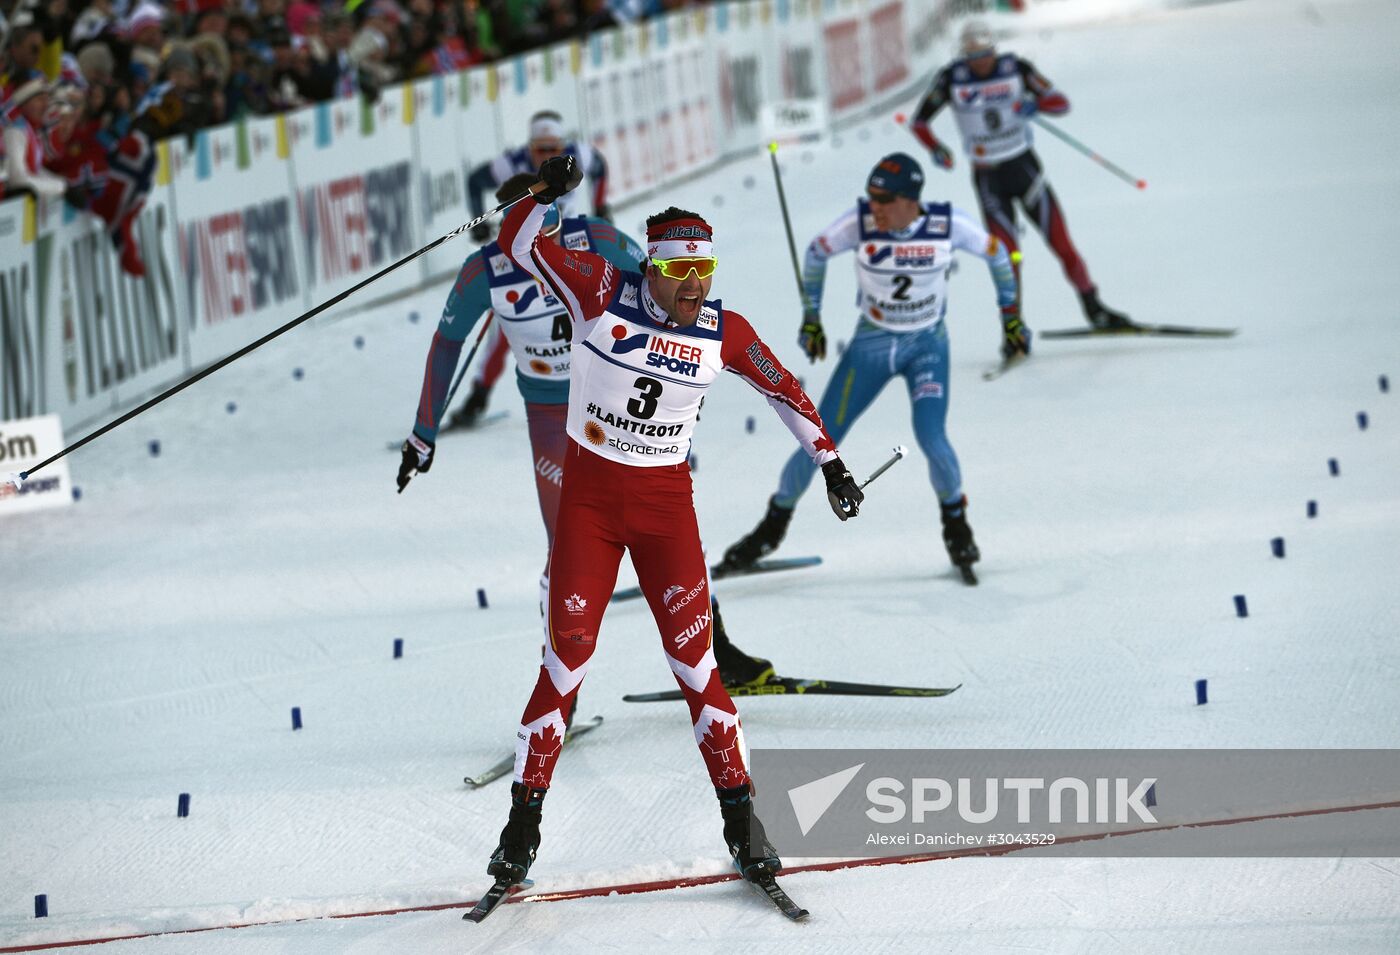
<point x="1016" y="337"/>
<point x="841" y="490"/>
<point x="942" y="157"/>
<point x="417" y="456"/>
<point x="560" y="174"/>
<point x="481" y="232"/>
<point x="812" y="337"/>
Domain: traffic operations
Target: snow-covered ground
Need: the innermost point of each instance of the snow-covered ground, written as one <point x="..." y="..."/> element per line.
<point x="154" y="638"/>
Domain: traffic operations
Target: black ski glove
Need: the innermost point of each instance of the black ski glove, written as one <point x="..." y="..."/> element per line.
<point x="1016" y="337"/>
<point x="560" y="174"/>
<point x="417" y="456"/>
<point x="841" y="490"/>
<point x="812" y="337"/>
<point x="481" y="232"/>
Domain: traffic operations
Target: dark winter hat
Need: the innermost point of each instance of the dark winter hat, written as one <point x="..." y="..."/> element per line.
<point x="898" y="173"/>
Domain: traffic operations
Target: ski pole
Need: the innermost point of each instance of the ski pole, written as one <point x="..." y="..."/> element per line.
<point x="229" y="359"/>
<point x="467" y="364"/>
<point x="787" y="223"/>
<point x="1127" y="177"/>
<point x="899" y="452"/>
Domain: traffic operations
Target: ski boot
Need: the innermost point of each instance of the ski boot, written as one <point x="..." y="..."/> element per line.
<point x="748" y="844"/>
<point x="520" y="838"/>
<point x="1101" y="316"/>
<point x="467" y="415"/>
<point x="957" y="537"/>
<point x="736" y="668"/>
<point x="762" y="540"/>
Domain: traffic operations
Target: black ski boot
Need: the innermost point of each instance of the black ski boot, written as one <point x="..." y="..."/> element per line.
<point x="957" y="535"/>
<point x="736" y="668"/>
<point x="762" y="540"/>
<point x="521" y="836"/>
<point x="743" y="833"/>
<point x="1100" y="315"/>
<point x="467" y="415"/>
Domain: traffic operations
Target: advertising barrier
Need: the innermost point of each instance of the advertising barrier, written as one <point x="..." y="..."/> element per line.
<point x="440" y="169"/>
<point x="23" y="444"/>
<point x="106" y="337"/>
<point x="355" y="194"/>
<point x="252" y="223"/>
<point x="242" y="271"/>
<point x="21" y="358"/>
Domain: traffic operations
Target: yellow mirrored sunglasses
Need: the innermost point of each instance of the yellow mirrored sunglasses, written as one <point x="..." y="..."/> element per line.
<point x="678" y="269"/>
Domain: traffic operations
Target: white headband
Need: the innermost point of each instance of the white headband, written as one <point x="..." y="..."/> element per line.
<point x="681" y="249"/>
<point x="545" y="127"/>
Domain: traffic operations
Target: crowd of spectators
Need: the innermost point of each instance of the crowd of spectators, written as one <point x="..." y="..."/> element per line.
<point x="79" y="78"/>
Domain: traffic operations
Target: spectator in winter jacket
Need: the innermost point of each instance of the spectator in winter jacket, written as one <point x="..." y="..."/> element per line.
<point x="24" y="145"/>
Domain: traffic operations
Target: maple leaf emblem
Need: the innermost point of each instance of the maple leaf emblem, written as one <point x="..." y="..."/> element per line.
<point x="575" y="604"/>
<point x="733" y="776"/>
<point x="720" y="739"/>
<point x="544" y="744"/>
<point x="536" y="779"/>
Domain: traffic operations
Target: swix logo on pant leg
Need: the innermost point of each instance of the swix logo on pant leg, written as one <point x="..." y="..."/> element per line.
<point x="697" y="627"/>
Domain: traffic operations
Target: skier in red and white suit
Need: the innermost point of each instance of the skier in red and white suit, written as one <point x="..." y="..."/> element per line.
<point x="644" y="350"/>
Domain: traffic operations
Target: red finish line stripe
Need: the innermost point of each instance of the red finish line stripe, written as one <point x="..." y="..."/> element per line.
<point x="690" y="881"/>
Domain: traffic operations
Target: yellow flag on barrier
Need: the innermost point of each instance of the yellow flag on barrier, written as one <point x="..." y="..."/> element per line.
<point x="31" y="220"/>
<point x="163" y="163"/>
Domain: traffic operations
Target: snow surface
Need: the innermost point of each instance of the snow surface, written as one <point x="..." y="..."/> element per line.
<point x="154" y="637"/>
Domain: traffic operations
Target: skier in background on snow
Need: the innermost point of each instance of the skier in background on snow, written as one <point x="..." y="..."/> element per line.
<point x="646" y="347"/>
<point x="547" y="139"/>
<point x="903" y="248"/>
<point x="993" y="97"/>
